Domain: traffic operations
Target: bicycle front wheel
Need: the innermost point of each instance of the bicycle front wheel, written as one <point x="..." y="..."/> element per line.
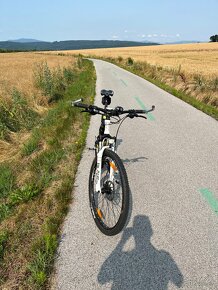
<point x="110" y="207"/>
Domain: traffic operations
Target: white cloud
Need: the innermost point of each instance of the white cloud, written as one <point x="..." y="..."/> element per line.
<point x="126" y="31"/>
<point x="177" y="35"/>
<point x="115" y="36"/>
<point x="151" y="35"/>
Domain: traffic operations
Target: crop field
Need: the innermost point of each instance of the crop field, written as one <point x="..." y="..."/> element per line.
<point x="190" y="69"/>
<point x="200" y="58"/>
<point x="16" y="71"/>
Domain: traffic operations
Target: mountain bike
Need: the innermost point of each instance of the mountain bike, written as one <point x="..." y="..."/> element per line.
<point x="109" y="191"/>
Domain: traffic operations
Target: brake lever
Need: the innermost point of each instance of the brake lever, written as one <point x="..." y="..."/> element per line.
<point x="77" y="101"/>
<point x="139" y="116"/>
<point x="133" y="115"/>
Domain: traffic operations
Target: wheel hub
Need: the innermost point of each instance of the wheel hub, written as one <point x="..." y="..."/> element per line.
<point x="108" y="190"/>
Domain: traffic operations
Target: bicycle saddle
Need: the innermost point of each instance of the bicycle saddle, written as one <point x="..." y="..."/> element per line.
<point x="107" y="93"/>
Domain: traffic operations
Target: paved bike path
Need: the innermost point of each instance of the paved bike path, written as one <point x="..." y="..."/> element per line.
<point x="171" y="240"/>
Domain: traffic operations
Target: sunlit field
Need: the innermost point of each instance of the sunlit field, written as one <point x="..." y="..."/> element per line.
<point x="200" y="58"/>
<point x="189" y="68"/>
<point x="16" y="71"/>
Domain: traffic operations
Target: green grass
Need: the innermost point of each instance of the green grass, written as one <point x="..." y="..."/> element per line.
<point x="23" y="194"/>
<point x="32" y="144"/>
<point x="3" y="241"/>
<point x="60" y="120"/>
<point x="5" y="211"/>
<point x="43" y="252"/>
<point x="16" y="115"/>
<point x="7" y="180"/>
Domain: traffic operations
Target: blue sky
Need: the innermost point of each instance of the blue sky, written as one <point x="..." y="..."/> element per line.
<point x="153" y="20"/>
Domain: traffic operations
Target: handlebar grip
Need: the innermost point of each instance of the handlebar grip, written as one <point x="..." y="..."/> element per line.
<point x="145" y="111"/>
<point x="140" y="111"/>
<point x="80" y="105"/>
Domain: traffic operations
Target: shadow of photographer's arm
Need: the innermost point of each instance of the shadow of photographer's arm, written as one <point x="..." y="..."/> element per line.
<point x="176" y="276"/>
<point x="127" y="233"/>
<point x="106" y="273"/>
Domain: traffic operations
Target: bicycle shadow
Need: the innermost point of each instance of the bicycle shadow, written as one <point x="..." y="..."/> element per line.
<point x="133" y="160"/>
<point x="119" y="142"/>
<point x="143" y="267"/>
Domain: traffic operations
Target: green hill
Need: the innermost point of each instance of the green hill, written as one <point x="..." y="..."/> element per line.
<point x="69" y="45"/>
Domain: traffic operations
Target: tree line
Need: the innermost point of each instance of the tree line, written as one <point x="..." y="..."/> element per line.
<point x="214" y="38"/>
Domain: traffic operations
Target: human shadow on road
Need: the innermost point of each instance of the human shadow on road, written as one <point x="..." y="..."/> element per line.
<point x="144" y="267"/>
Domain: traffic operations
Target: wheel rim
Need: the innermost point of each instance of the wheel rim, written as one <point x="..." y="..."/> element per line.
<point x="108" y="205"/>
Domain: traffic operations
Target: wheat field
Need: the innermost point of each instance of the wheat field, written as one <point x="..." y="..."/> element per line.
<point x="198" y="58"/>
<point x="16" y="71"/>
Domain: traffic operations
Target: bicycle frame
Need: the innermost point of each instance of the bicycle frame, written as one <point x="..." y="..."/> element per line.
<point x="104" y="141"/>
<point x="108" y="182"/>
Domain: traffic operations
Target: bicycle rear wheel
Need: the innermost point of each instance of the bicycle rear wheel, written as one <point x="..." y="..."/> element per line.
<point x="110" y="207"/>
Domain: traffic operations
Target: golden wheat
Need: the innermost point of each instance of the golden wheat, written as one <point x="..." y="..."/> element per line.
<point x="16" y="71"/>
<point x="199" y="58"/>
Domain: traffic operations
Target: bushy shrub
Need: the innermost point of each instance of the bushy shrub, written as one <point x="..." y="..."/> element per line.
<point x="130" y="61"/>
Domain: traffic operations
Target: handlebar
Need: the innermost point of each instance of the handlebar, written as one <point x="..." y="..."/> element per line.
<point x="112" y="112"/>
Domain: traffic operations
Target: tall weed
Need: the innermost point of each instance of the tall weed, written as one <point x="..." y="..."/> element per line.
<point x="16" y="115"/>
<point x="53" y="83"/>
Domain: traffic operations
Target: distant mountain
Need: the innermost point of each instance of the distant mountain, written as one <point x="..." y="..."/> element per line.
<point x="25" y="40"/>
<point x="68" y="44"/>
<point x="184" y="42"/>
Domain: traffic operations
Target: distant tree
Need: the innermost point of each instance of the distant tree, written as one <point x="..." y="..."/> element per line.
<point x="214" y="38"/>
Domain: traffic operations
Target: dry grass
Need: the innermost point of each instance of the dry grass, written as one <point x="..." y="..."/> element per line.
<point x="16" y="71"/>
<point x="200" y="58"/>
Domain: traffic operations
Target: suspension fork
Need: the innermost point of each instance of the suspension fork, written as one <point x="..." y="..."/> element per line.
<point x="99" y="168"/>
<point x="112" y="169"/>
<point x="104" y="130"/>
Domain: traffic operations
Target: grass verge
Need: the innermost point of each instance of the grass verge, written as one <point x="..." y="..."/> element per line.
<point x="36" y="191"/>
<point x="206" y="108"/>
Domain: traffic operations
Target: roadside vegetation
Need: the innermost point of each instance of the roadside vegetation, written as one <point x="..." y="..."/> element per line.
<point x="42" y="140"/>
<point x="188" y="71"/>
<point x="198" y="91"/>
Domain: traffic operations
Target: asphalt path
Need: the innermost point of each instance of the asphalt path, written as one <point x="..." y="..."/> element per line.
<point x="171" y="159"/>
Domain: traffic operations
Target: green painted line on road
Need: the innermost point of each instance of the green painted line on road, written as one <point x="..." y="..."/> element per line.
<point x="209" y="196"/>
<point x="125" y="84"/>
<point x="149" y="115"/>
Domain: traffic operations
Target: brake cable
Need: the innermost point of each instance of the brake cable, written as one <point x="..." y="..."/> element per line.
<point x="121" y="121"/>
